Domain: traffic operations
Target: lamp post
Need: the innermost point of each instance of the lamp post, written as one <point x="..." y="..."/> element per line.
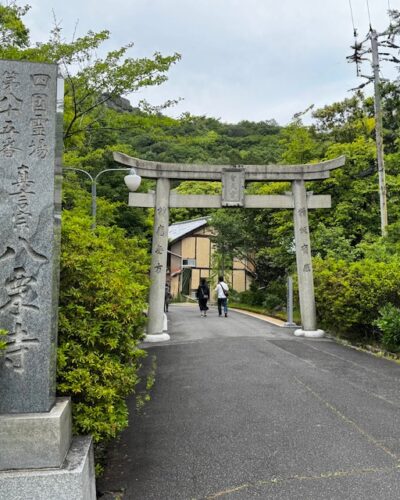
<point x="132" y="181"/>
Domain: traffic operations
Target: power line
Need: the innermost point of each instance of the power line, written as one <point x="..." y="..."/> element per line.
<point x="352" y="19"/>
<point x="357" y="46"/>
<point x="369" y="14"/>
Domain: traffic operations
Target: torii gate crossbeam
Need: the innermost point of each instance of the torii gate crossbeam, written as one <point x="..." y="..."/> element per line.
<point x="233" y="195"/>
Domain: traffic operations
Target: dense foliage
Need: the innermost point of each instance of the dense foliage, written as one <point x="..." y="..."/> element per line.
<point x="350" y="294"/>
<point x="102" y="297"/>
<point x="389" y="324"/>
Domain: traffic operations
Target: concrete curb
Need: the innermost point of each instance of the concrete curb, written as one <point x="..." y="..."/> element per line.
<point x="268" y="319"/>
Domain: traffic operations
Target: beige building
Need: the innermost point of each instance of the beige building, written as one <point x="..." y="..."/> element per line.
<point x="191" y="256"/>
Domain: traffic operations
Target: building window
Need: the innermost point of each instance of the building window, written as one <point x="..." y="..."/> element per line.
<point x="188" y="262"/>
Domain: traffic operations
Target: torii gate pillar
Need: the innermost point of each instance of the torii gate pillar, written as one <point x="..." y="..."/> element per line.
<point x="304" y="263"/>
<point x="155" y="325"/>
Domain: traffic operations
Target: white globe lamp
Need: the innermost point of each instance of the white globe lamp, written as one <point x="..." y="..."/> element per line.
<point x="132" y="180"/>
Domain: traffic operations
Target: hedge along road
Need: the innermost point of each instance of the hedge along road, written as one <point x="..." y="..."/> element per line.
<point x="241" y="409"/>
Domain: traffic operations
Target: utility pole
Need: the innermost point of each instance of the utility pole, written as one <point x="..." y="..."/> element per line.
<point x="358" y="57"/>
<point x="378" y="132"/>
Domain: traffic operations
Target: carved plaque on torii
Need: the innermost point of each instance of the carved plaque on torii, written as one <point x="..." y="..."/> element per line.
<point x="232" y="187"/>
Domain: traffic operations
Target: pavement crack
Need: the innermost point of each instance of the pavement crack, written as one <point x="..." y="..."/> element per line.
<point x="315" y="477"/>
<point x="358" y="365"/>
<point x="348" y="420"/>
<point x="325" y="370"/>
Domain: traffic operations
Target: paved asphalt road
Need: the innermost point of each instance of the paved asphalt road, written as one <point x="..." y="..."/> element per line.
<point x="242" y="409"/>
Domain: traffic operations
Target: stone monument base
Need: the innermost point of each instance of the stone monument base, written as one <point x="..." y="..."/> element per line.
<point x="36" y="440"/>
<point x="157" y="337"/>
<point x="316" y="334"/>
<point x="74" y="480"/>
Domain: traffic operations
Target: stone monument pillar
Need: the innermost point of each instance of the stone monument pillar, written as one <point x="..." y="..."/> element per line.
<point x="304" y="263"/>
<point x="35" y="427"/>
<point x="159" y="263"/>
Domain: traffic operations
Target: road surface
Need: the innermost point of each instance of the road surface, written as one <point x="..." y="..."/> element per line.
<point x="242" y="409"/>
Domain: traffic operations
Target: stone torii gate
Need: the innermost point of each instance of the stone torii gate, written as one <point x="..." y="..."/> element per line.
<point x="233" y="195"/>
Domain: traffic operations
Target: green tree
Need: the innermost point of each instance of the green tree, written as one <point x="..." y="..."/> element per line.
<point x="299" y="145"/>
<point x="13" y="32"/>
<point x="347" y="120"/>
<point x="91" y="81"/>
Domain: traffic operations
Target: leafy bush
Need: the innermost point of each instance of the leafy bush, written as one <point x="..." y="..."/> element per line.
<point x="389" y="324"/>
<point x="103" y="286"/>
<point x="271" y="297"/>
<point x="349" y="295"/>
<point x="253" y="297"/>
<point x="275" y="298"/>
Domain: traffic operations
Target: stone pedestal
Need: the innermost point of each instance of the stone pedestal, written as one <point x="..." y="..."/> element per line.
<point x="39" y="459"/>
<point x="159" y="337"/>
<point x="36" y="440"/>
<point x="73" y="481"/>
<point x="314" y="334"/>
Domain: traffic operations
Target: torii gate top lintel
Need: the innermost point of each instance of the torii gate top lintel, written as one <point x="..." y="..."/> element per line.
<point x="185" y="171"/>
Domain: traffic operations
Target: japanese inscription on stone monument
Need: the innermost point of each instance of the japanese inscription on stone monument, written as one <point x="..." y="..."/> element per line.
<point x="28" y="253"/>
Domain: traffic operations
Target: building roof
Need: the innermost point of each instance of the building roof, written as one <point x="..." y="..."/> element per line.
<point x="180" y="229"/>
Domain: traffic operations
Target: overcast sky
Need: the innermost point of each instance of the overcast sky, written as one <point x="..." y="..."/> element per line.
<point x="241" y="59"/>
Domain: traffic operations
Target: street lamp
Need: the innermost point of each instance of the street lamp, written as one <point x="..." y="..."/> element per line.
<point x="132" y="180"/>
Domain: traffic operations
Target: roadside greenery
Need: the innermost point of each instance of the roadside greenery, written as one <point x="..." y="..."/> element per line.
<point x="350" y="294"/>
<point x="389" y="325"/>
<point x="103" y="287"/>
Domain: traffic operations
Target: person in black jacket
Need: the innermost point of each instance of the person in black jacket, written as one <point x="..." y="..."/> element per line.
<point x="167" y="297"/>
<point x="203" y="294"/>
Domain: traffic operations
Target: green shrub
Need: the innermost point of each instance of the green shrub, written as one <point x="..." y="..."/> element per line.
<point x="272" y="297"/>
<point x="275" y="295"/>
<point x="253" y="297"/>
<point x="103" y="287"/>
<point x="350" y="294"/>
<point x="389" y="325"/>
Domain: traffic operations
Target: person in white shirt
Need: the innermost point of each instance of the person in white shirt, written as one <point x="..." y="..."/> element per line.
<point x="222" y="290"/>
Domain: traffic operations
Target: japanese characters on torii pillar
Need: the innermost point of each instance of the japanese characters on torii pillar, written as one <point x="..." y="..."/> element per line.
<point x="159" y="258"/>
<point x="233" y="195"/>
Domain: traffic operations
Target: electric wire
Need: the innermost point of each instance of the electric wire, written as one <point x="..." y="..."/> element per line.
<point x="356" y="45"/>
<point x="352" y="19"/>
<point x="369" y="15"/>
